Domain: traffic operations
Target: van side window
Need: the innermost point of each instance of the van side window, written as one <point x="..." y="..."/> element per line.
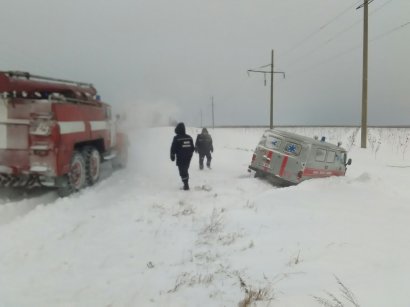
<point x="272" y="142"/>
<point x="320" y="155"/>
<point x="330" y="158"/>
<point x="292" y="148"/>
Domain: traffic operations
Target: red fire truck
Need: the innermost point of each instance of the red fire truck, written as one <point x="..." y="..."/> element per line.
<point x="55" y="132"/>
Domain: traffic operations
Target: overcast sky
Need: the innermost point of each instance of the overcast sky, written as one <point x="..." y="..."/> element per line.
<point x="171" y="56"/>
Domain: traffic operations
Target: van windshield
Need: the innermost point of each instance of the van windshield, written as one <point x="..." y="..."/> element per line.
<point x="272" y="142"/>
<point x="343" y="157"/>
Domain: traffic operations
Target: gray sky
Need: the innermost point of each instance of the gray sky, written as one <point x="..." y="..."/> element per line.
<point x="171" y="56"/>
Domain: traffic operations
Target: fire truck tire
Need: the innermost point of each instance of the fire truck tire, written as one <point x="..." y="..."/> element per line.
<point x="75" y="179"/>
<point x="92" y="164"/>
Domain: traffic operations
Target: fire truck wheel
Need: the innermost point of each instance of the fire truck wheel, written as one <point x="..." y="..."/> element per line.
<point x="75" y="179"/>
<point x="92" y="164"/>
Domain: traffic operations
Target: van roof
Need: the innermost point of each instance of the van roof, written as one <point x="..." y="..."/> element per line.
<point x="302" y="139"/>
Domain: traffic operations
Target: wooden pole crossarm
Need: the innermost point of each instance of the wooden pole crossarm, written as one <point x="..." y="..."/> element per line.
<point x="268" y="72"/>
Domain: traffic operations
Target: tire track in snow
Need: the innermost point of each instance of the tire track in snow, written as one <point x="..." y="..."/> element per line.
<point x="15" y="203"/>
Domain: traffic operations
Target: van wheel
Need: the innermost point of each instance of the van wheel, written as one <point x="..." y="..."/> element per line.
<point x="92" y="164"/>
<point x="259" y="174"/>
<point x="75" y="179"/>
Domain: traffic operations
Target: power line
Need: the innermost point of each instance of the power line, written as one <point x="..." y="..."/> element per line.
<point x="381" y="6"/>
<point x="380" y="36"/>
<point x="328" y="41"/>
<point x="322" y="27"/>
<point x="390" y="31"/>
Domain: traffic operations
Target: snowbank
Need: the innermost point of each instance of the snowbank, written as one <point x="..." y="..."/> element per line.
<point x="135" y="239"/>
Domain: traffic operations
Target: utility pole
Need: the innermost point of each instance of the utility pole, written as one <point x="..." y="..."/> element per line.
<point x="365" y="7"/>
<point x="271" y="93"/>
<point x="213" y="116"/>
<point x="271" y="72"/>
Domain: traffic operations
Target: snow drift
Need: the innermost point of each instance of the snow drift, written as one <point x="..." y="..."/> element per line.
<point x="135" y="239"/>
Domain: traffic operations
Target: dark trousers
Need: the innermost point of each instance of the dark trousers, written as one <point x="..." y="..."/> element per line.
<point x="202" y="157"/>
<point x="183" y="171"/>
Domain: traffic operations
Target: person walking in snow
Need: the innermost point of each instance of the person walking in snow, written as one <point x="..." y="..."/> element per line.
<point x="204" y="147"/>
<point x="183" y="148"/>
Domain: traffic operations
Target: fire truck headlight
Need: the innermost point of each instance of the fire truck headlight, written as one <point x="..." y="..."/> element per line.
<point x="40" y="127"/>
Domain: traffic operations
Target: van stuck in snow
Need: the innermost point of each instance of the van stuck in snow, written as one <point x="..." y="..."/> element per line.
<point x="287" y="158"/>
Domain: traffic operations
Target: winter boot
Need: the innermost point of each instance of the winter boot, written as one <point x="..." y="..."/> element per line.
<point x="201" y="166"/>
<point x="186" y="186"/>
<point x="208" y="164"/>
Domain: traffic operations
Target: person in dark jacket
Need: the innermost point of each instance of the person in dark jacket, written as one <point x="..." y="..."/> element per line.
<point x="183" y="148"/>
<point x="204" y="147"/>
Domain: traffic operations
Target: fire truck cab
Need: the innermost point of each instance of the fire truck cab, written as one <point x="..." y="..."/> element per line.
<point x="287" y="158"/>
<point x="54" y="132"/>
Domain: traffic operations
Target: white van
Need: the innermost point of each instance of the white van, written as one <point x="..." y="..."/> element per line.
<point x="288" y="158"/>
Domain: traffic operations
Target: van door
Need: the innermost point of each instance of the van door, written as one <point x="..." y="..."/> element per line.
<point x="316" y="165"/>
<point x="335" y="162"/>
<point x="266" y="153"/>
<point x="330" y="162"/>
<point x="290" y="165"/>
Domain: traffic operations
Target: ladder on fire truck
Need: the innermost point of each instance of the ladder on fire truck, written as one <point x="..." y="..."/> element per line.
<point x="82" y="92"/>
<point x="28" y="76"/>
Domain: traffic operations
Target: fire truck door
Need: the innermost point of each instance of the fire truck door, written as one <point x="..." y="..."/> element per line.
<point x="113" y="132"/>
<point x="3" y="127"/>
<point x="112" y="126"/>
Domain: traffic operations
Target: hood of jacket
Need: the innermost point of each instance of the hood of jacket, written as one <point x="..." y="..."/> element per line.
<point x="180" y="129"/>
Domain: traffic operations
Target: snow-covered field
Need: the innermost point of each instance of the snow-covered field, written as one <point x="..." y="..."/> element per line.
<point x="136" y="239"/>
